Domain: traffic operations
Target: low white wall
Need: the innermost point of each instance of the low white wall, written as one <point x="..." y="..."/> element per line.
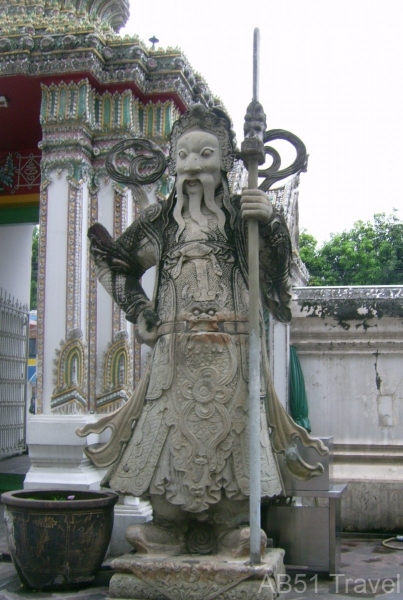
<point x="350" y="344"/>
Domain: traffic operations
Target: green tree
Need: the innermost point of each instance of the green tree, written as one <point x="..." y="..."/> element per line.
<point x="310" y="255"/>
<point x="370" y="253"/>
<point x="34" y="268"/>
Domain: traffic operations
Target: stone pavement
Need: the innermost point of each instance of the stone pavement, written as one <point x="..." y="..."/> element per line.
<point x="368" y="570"/>
<point x="18" y="465"/>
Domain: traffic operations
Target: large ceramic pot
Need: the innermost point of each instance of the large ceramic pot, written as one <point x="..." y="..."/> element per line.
<point x="58" y="538"/>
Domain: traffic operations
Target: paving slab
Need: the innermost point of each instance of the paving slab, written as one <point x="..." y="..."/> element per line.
<point x="368" y="570"/>
<point x="17" y="465"/>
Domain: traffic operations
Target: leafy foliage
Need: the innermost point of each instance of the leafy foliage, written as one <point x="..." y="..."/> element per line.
<point x="371" y="253"/>
<point x="311" y="256"/>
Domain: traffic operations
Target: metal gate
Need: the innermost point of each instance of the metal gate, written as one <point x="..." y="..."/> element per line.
<point x="14" y="334"/>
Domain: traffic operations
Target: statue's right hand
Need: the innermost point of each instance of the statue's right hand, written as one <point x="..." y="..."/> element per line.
<point x="147" y="326"/>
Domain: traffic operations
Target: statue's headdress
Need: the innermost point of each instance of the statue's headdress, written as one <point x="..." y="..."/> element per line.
<point x="213" y="121"/>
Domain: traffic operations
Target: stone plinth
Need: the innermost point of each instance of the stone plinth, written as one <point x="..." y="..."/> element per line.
<point x="196" y="577"/>
<point x="57" y="454"/>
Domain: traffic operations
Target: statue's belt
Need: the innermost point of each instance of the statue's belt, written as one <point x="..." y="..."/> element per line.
<point x="188" y="326"/>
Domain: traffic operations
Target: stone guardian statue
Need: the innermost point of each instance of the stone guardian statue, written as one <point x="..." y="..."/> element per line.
<point x="182" y="441"/>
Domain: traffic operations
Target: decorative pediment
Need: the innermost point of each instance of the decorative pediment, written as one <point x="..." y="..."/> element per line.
<point x="70" y="376"/>
<point x="117" y="375"/>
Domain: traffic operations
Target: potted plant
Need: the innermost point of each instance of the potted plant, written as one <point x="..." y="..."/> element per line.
<point x="58" y="538"/>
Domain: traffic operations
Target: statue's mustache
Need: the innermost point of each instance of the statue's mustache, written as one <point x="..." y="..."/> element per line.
<point x="208" y="194"/>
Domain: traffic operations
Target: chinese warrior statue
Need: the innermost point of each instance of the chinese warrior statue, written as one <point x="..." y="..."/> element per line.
<point x="182" y="441"/>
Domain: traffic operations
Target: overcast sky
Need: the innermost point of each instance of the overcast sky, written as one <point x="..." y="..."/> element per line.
<point x="331" y="73"/>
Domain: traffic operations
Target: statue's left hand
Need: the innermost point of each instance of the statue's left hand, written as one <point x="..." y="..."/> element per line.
<point x="147" y="323"/>
<point x="256" y="205"/>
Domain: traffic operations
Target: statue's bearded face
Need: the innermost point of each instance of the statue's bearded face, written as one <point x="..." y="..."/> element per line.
<point x="198" y="168"/>
<point x="198" y="158"/>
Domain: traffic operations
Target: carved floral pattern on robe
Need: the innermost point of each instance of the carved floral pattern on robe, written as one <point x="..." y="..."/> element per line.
<point x="190" y="442"/>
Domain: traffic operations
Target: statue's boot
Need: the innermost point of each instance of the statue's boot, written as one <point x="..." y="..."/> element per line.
<point x="149" y="538"/>
<point x="236" y="542"/>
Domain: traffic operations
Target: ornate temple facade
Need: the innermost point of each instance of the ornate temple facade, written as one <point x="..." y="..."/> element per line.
<point x="70" y="89"/>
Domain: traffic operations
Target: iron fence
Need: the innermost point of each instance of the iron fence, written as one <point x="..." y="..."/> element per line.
<point x="14" y="335"/>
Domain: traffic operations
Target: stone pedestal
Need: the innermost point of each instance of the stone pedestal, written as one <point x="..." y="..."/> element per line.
<point x="196" y="577"/>
<point x="57" y="454"/>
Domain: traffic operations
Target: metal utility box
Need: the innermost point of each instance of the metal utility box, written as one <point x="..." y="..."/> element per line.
<point x="310" y="535"/>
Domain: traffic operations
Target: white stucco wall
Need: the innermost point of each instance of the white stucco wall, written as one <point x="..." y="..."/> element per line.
<point x="350" y="345"/>
<point x="55" y="279"/>
<point x="354" y="379"/>
<point x="104" y="301"/>
<point x="15" y="260"/>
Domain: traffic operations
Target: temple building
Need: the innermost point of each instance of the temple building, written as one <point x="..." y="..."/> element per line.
<point x="71" y="88"/>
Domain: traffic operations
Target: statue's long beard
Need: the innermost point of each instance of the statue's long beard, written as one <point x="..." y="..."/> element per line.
<point x="195" y="204"/>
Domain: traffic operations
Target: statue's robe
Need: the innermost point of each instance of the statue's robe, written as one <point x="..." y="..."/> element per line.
<point x="190" y="442"/>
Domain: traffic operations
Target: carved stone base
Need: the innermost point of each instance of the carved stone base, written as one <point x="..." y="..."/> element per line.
<point x="196" y="577"/>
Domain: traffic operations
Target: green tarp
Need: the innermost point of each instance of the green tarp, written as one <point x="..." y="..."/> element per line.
<point x="297" y="397"/>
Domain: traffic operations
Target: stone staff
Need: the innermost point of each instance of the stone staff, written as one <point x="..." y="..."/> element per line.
<point x="253" y="154"/>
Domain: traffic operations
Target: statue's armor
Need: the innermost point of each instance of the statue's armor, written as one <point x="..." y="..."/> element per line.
<point x="183" y="436"/>
<point x="191" y="442"/>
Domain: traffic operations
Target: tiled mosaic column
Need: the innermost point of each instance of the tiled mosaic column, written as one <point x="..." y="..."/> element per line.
<point x="88" y="360"/>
